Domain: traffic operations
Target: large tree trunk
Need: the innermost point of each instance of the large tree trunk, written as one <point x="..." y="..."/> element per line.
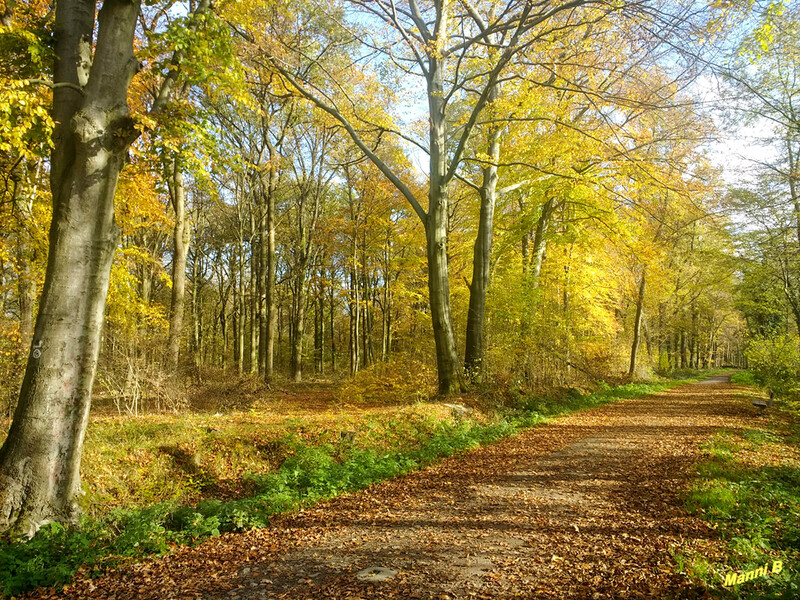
<point x="637" y="325"/>
<point x="449" y="369"/>
<point x="40" y="459"/>
<point x="481" y="256"/>
<point x="180" y="243"/>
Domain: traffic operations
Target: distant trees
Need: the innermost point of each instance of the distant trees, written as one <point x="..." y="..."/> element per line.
<point x="763" y="77"/>
<point x="278" y="164"/>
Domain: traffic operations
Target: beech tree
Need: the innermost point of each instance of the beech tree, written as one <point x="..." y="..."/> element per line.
<point x="437" y="40"/>
<point x="40" y="459"/>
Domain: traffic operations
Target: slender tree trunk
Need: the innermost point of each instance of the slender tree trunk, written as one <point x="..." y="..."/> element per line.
<point x="26" y="287"/>
<point x="263" y="252"/>
<point x="683" y="349"/>
<point x="693" y="339"/>
<point x="319" y="331"/>
<point x="197" y="309"/>
<point x="386" y="313"/>
<point x="40" y="458"/>
<point x="525" y="249"/>
<point x="298" y="327"/>
<point x="241" y="308"/>
<point x="332" y="318"/>
<point x="272" y="313"/>
<point x="540" y="241"/>
<point x="482" y="255"/>
<point x="793" y="191"/>
<point x="280" y="334"/>
<point x="355" y="311"/>
<point x="27" y="296"/>
<point x="235" y="306"/>
<point x="254" y="298"/>
<point x="637" y="325"/>
<point x="180" y="242"/>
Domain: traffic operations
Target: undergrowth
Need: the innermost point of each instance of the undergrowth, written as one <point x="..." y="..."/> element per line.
<point x="749" y="489"/>
<point x="746" y="378"/>
<point x="310" y="473"/>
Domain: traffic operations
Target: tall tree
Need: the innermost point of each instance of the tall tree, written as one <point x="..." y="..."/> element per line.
<point x="436" y="39"/>
<point x="40" y="459"/>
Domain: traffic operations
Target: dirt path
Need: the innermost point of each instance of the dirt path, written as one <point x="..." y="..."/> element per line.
<point x="587" y="507"/>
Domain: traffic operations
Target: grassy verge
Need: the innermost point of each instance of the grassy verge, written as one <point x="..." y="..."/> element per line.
<point x="746" y="378"/>
<point x="749" y="489"/>
<point x="310" y="472"/>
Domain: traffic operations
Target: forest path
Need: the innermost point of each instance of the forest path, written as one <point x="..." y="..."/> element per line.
<point x="586" y="507"/>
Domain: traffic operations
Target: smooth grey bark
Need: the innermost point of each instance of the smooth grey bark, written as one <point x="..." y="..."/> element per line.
<point x="319" y="329"/>
<point x="482" y="255"/>
<point x="40" y="459"/>
<point x="303" y="252"/>
<point x="354" y="301"/>
<point x="540" y="241"/>
<point x="254" y="300"/>
<point x="637" y="324"/>
<point x="271" y="314"/>
<point x="260" y="259"/>
<point x="180" y="244"/>
<point x="332" y="316"/>
<point x="240" y="302"/>
<point x="447" y="360"/>
<point x="386" y="303"/>
<point x="298" y="324"/>
<point x="197" y="316"/>
<point x="683" y="349"/>
<point x="232" y="267"/>
<point x="793" y="192"/>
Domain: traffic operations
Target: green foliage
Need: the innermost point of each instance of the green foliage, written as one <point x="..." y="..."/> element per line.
<point x="756" y="509"/>
<point x="776" y="363"/>
<point x="746" y="378"/>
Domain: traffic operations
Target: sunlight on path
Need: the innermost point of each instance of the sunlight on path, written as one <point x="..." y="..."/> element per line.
<point x="587" y="507"/>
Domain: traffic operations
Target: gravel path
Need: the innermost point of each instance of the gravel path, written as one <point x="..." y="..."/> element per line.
<point x="586" y="507"/>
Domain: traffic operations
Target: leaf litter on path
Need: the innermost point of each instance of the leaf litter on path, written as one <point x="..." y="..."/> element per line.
<point x="588" y="506"/>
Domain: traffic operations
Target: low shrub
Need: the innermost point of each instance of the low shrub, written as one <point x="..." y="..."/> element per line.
<point x="399" y="381"/>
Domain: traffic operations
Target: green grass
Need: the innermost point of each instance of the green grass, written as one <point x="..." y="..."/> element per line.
<point x="746" y="378"/>
<point x="309" y="473"/>
<point x="749" y="490"/>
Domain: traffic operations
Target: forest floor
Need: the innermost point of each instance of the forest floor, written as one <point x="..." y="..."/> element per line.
<point x="589" y="506"/>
